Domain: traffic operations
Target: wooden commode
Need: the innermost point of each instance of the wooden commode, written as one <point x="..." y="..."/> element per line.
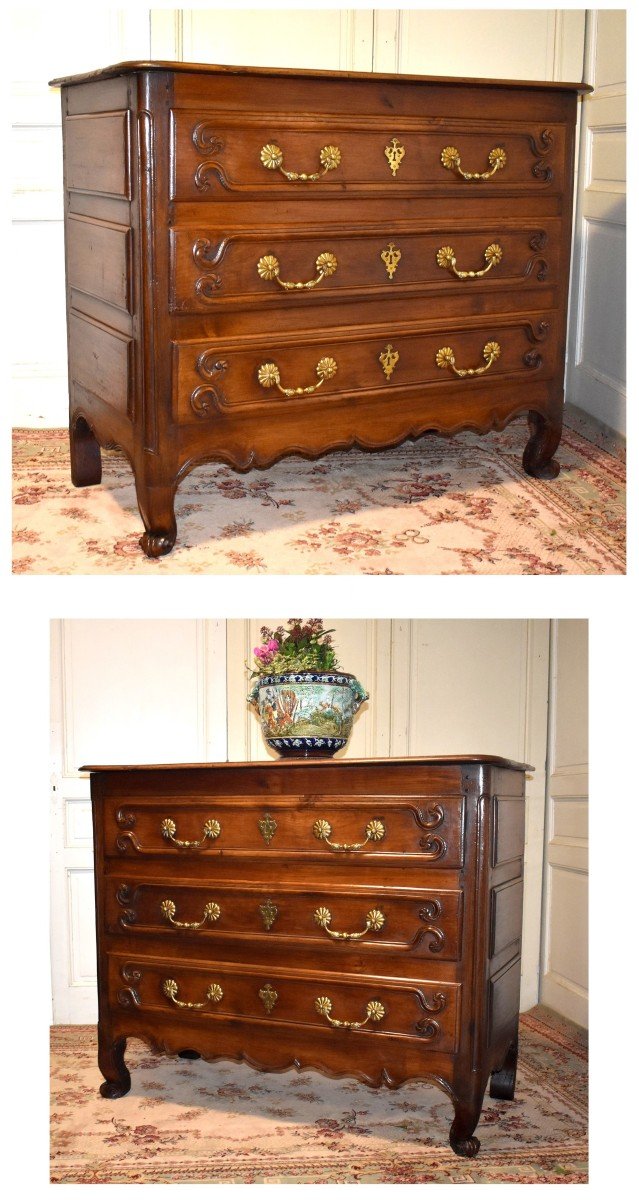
<point x="265" y="262"/>
<point x="360" y="918"/>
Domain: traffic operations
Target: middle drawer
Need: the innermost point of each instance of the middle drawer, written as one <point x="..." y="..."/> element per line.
<point x="425" y="923"/>
<point x="211" y="268"/>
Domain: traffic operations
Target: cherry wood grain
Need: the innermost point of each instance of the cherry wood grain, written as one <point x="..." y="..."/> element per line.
<point x="256" y="976"/>
<point x="169" y="207"/>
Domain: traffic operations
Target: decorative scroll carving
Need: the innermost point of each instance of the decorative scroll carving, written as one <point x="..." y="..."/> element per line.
<point x="532" y="359"/>
<point x="428" y="1028"/>
<point x="430" y="910"/>
<point x="209" y="254"/>
<point x="125" y="820"/>
<point x="430" y="818"/>
<point x="538" y="240"/>
<point x="541" y="169"/>
<point x="207" y="286"/>
<point x="538" y="335"/>
<point x="206" y="139"/>
<point x="127" y="895"/>
<point x="537" y="243"/>
<point x="205" y="400"/>
<point x="130" y="995"/>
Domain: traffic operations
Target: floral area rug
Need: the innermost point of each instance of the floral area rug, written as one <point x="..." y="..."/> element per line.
<point x="439" y="506"/>
<point x="196" y="1122"/>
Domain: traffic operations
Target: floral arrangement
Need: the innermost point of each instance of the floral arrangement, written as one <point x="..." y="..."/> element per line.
<point x="302" y="646"/>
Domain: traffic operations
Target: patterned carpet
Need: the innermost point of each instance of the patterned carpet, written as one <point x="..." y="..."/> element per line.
<point x="446" y="506"/>
<point x="196" y="1122"/>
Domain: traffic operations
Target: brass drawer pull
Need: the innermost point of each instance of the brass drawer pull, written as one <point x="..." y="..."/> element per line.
<point x="451" y="160"/>
<point x="445" y="358"/>
<point x="211" y="913"/>
<point x="214" y="994"/>
<point x="212" y="830"/>
<point x="272" y="158"/>
<point x="374" y="921"/>
<point x="268" y="267"/>
<point x="269" y="374"/>
<point x="375" y="1011"/>
<point x="446" y="259"/>
<point x="375" y="831"/>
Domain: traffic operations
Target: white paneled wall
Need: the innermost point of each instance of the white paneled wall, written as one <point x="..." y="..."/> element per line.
<point x="564" y="984"/>
<point x="175" y="691"/>
<point x="510" y="43"/>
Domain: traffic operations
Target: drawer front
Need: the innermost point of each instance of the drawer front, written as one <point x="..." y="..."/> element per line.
<point x="426" y="1010"/>
<point x="228" y="377"/>
<point x="423" y="923"/>
<point x="216" y="155"/>
<point x="211" y="266"/>
<point x="363" y="829"/>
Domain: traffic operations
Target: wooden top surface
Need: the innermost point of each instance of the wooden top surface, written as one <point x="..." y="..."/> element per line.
<point x="447" y="760"/>
<point x="126" y="68"/>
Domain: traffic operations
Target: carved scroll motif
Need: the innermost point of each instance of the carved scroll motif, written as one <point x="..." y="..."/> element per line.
<point x="428" y="1027"/>
<point x="208" y="399"/>
<point x="542" y="148"/>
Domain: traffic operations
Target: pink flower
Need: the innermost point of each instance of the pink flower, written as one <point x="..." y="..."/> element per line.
<point x="272" y="645"/>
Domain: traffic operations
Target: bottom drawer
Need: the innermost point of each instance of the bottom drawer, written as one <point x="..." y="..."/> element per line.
<point x="427" y="1010"/>
<point x="232" y="376"/>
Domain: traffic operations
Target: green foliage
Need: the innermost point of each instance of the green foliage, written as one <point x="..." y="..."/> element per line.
<point x="301" y="646"/>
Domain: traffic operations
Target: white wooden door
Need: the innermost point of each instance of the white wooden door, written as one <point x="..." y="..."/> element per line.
<point x="596" y="375"/>
<point x="175" y="691"/>
<point x="564" y="982"/>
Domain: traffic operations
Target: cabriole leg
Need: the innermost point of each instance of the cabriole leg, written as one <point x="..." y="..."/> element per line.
<point x="157" y="508"/>
<point x="111" y="1064"/>
<point x="545" y="434"/>
<point x="467" y="1114"/>
<point x="502" y="1082"/>
<point x="86" y="460"/>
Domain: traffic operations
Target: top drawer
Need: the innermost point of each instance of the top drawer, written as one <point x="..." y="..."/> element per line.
<point x="284" y="156"/>
<point x="430" y="828"/>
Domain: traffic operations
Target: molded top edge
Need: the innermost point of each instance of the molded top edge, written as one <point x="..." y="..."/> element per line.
<point x="127" y="68"/>
<point x="447" y="760"/>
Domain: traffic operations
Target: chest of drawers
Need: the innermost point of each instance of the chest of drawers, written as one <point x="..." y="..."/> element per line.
<point x="358" y="918"/>
<point x="265" y="262"/>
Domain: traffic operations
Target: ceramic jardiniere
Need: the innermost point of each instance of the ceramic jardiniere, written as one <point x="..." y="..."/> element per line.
<point x="307" y="714"/>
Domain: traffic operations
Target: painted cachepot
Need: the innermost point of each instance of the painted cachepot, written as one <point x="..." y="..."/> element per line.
<point x="309" y="714"/>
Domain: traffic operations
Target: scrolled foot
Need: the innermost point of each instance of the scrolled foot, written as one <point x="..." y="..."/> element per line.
<point x="157" y="544"/>
<point x="111" y="1062"/>
<point x="156" y="502"/>
<point x="466" y="1148"/>
<point x="113" y="1091"/>
<point x="545" y="435"/>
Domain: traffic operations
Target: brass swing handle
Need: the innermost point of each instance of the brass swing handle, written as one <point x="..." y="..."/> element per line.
<point x="447" y="260"/>
<point x="268" y="267"/>
<point x="375" y="1011"/>
<point x="272" y="158"/>
<point x="374" y="921"/>
<point x="211" y="831"/>
<point x="214" y="994"/>
<point x="211" y="913"/>
<point x="445" y="358"/>
<point x="374" y="831"/>
<point x="269" y="374"/>
<point x="451" y="160"/>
